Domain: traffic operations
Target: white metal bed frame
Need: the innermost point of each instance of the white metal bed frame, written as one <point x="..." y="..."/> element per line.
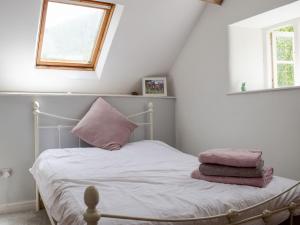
<point x="91" y="196"/>
<point x="37" y="113"/>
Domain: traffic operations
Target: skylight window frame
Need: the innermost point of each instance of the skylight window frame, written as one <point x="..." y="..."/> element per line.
<point x="69" y="64"/>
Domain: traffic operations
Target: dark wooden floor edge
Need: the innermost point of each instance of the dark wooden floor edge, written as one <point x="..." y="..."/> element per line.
<point x="296" y="221"/>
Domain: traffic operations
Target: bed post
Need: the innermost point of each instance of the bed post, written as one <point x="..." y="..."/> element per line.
<point x="36" y="108"/>
<point x="231" y="215"/>
<point x="91" y="199"/>
<point x="292" y="208"/>
<point x="150" y="109"/>
<point x="266" y="215"/>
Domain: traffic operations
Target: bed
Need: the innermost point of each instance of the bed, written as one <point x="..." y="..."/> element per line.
<point x="148" y="182"/>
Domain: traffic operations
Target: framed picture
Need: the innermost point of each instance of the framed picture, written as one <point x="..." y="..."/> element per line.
<point x="155" y="86"/>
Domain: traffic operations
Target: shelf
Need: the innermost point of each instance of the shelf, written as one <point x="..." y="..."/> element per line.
<point x="79" y="94"/>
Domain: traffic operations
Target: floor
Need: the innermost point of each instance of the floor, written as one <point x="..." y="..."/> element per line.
<point x="25" y="218"/>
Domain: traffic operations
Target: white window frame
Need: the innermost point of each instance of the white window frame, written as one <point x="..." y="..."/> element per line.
<point x="275" y="62"/>
<point x="268" y="56"/>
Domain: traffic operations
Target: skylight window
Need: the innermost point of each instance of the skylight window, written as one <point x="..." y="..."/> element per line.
<point x="72" y="33"/>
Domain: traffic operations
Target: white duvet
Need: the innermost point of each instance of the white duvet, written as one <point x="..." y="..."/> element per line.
<point x="146" y="179"/>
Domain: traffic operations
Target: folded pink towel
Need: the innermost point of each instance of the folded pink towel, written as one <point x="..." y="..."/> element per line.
<point x="256" y="182"/>
<point x="231" y="157"/>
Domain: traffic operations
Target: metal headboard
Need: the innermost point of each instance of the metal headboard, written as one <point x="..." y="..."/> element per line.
<point x="37" y="113"/>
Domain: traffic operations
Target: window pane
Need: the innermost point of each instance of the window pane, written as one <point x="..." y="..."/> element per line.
<point x="284" y="48"/>
<point x="70" y="32"/>
<point x="285" y="75"/>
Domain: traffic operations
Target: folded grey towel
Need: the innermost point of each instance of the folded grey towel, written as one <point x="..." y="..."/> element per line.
<point x="229" y="171"/>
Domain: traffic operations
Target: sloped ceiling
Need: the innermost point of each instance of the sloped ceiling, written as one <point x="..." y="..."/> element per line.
<point x="149" y="38"/>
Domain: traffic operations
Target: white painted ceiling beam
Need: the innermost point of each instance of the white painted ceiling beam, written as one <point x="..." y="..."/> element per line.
<point x="218" y="2"/>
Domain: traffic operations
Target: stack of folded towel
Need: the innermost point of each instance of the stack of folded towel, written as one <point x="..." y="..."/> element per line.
<point x="229" y="166"/>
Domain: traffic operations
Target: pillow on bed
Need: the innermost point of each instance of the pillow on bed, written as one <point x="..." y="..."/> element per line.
<point x="104" y="127"/>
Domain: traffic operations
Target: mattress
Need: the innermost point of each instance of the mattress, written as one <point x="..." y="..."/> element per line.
<point x="145" y="179"/>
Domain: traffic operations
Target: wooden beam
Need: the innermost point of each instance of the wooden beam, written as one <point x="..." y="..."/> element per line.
<point x="218" y="2"/>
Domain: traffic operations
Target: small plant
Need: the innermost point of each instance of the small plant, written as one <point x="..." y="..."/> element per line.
<point x="243" y="87"/>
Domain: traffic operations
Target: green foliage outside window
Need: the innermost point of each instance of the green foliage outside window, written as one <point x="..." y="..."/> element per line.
<point x="285" y="75"/>
<point x="284" y="47"/>
<point x="286" y="29"/>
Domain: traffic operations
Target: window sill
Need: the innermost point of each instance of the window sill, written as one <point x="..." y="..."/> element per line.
<point x="264" y="90"/>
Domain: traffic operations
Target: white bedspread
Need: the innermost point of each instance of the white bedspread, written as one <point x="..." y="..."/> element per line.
<point x="148" y="179"/>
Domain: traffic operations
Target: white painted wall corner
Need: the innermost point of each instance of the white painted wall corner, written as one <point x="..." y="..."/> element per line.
<point x="17" y="207"/>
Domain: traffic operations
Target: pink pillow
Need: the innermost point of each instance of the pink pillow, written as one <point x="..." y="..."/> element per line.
<point x="104" y="127"/>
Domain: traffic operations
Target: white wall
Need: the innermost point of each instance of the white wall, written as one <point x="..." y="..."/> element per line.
<point x="208" y="118"/>
<point x="246" y="58"/>
<point x="149" y="37"/>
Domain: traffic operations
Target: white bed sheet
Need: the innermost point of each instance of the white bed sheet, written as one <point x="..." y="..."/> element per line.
<point x="147" y="179"/>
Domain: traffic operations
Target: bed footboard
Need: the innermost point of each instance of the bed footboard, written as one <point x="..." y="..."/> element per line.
<point x="92" y="215"/>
